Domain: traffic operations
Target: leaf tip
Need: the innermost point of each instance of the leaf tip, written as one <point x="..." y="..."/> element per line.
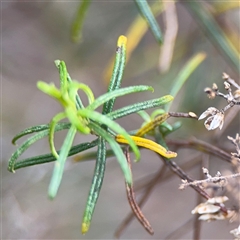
<point x="51" y="192"/>
<point x="57" y="63"/>
<point x="51" y="196"/>
<point x="202" y="55"/>
<point x="137" y="160"/>
<point x="122" y="40"/>
<point x="85" y="227"/>
<point x="169" y="97"/>
<point x="171" y="154"/>
<point x="11" y="169"/>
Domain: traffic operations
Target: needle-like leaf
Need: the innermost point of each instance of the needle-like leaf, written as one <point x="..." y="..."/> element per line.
<point x="96" y="184"/>
<point x="117" y="93"/>
<point x="46" y="158"/>
<point x="214" y="32"/>
<point x="122" y="112"/>
<point x="146" y="12"/>
<point x="59" y="164"/>
<point x="76" y="30"/>
<point x="117" y="73"/>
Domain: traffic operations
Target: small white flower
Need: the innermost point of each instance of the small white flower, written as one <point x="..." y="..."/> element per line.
<point x="215" y="120"/>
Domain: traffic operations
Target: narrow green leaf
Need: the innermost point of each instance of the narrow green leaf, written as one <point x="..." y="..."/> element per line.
<point x="76" y="30"/>
<point x="52" y="126"/>
<point x="46" y="158"/>
<point x="157" y="112"/>
<point x="49" y="89"/>
<point x="74" y="86"/>
<point x="117" y="93"/>
<point x="167" y="129"/>
<point x="22" y="148"/>
<point x="117" y="151"/>
<point x="106" y="121"/>
<point x="184" y="74"/>
<point x="144" y="115"/>
<point x="63" y="75"/>
<point x="79" y="103"/>
<point x="96" y="184"/>
<point x="146" y="12"/>
<point x="59" y="164"/>
<point x="214" y="32"/>
<point x="117" y="73"/>
<point x="38" y="128"/>
<point x="150" y="126"/>
<point x="122" y="112"/>
<point x="90" y="155"/>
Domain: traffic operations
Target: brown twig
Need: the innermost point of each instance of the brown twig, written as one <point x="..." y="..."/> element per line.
<point x="196" y="223"/>
<point x="183" y="115"/>
<point x="149" y="186"/>
<point x="176" y="169"/>
<point x="202" y="146"/>
<point x="145" y="183"/>
<point x="133" y="204"/>
<point x="143" y="199"/>
<point x="192" y="143"/>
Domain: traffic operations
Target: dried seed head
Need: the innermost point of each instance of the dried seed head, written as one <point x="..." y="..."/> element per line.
<point x="207" y="90"/>
<point x="238" y="137"/>
<point x="193" y="115"/>
<point x="209" y="211"/>
<point x="220" y="199"/>
<point x="236" y="94"/>
<point x="226" y="85"/>
<point x="207" y="208"/>
<point x="225" y="76"/>
<point x="236" y="232"/>
<point x="205" y="171"/>
<point x="210" y="217"/>
<point x="215" y="120"/>
<point x="210" y="93"/>
<point x="215" y="87"/>
<point x="210" y="111"/>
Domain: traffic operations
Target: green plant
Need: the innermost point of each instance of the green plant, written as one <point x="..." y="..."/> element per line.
<point x="86" y="120"/>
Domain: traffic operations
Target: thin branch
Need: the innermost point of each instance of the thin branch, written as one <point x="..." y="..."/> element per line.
<point x="132" y="201"/>
<point x="146" y="183"/>
<point x="183" y="115"/>
<point x="201" y="146"/>
<point x="143" y="199"/>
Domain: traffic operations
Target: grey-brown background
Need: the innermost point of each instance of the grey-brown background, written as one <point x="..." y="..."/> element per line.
<point x="33" y="35"/>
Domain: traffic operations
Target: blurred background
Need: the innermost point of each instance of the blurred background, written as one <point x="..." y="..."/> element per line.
<point x="33" y="35"/>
